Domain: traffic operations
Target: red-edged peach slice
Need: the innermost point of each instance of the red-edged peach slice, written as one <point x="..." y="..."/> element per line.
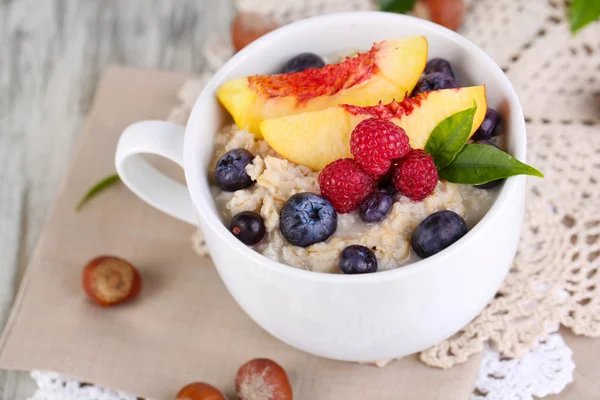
<point x="318" y="138"/>
<point x="389" y="70"/>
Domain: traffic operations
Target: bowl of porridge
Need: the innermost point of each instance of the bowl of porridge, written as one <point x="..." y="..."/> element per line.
<point x="349" y="173"/>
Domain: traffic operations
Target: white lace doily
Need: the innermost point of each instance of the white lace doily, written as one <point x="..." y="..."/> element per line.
<point x="555" y="278"/>
<point x="540" y="372"/>
<point x="52" y="386"/>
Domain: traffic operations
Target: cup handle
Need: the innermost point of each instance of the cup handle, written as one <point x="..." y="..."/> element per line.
<point x="163" y="139"/>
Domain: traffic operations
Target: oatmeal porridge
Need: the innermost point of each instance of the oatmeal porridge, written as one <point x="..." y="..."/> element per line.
<point x="359" y="166"/>
<point x="278" y="179"/>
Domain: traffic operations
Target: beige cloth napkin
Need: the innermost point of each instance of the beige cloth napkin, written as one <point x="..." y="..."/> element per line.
<point x="184" y="326"/>
<point x="586" y="378"/>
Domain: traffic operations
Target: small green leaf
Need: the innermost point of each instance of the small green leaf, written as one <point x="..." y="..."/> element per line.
<point x="97" y="188"/>
<point x="397" y="6"/>
<point x="450" y="136"/>
<point x="583" y="12"/>
<point x="479" y="163"/>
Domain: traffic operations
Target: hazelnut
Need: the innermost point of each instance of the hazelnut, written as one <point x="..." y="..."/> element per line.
<point x="247" y="27"/>
<point x="110" y="280"/>
<point x="199" y="391"/>
<point x="262" y="379"/>
<point x="448" y="13"/>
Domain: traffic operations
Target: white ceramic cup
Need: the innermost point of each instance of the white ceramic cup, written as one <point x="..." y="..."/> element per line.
<point x="347" y="317"/>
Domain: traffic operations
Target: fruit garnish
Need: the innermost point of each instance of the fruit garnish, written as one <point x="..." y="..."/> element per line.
<point x="302" y="62"/>
<point x="434" y="81"/>
<point x="490" y="184"/>
<point x="247" y="27"/>
<point x="248" y="227"/>
<point x="389" y="69"/>
<point x="376" y="207"/>
<point x="307" y="218"/>
<point x="357" y="259"/>
<point x="262" y="379"/>
<point x="199" y="391"/>
<point x="375" y="142"/>
<point x="449" y="137"/>
<point x="230" y="172"/>
<point x="472" y="164"/>
<point x="477" y="164"/>
<point x="345" y="185"/>
<point x="437" y="75"/>
<point x="488" y="126"/>
<point x="437" y="232"/>
<point x="98" y="187"/>
<point x="439" y="65"/>
<point x="110" y="280"/>
<point x="318" y="138"/>
<point x="415" y="175"/>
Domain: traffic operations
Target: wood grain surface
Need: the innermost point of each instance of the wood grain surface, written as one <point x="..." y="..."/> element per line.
<point x="51" y="54"/>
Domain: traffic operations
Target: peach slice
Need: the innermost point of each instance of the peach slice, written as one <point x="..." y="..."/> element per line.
<point x="318" y="138"/>
<point x="389" y="70"/>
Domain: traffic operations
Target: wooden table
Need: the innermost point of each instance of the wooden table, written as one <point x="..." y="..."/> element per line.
<point x="51" y="55"/>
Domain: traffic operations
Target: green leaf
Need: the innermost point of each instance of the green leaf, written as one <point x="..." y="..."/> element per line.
<point x="583" y="12"/>
<point x="397" y="6"/>
<point x="479" y="163"/>
<point x="97" y="188"/>
<point x="450" y="136"/>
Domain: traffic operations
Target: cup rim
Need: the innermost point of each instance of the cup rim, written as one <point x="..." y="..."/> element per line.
<point x="507" y="192"/>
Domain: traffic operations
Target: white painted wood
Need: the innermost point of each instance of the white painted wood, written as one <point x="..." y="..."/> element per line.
<point x="51" y="55"/>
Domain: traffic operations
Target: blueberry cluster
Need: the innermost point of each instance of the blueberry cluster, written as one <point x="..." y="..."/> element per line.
<point x="438" y="75"/>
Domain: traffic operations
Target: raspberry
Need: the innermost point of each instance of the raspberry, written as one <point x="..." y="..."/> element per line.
<point x="345" y="185"/>
<point x="415" y="175"/>
<point x="375" y="142"/>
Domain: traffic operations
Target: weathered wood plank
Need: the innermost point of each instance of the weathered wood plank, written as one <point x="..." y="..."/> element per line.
<point x="51" y="54"/>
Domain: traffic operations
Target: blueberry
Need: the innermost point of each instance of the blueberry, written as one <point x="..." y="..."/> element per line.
<point x="376" y="207"/>
<point x="248" y="227"/>
<point x="434" y="81"/>
<point x="302" y="62"/>
<point x="487" y="129"/>
<point x="358" y="260"/>
<point x="307" y="218"/>
<point x="230" y="172"/>
<point x="386" y="185"/>
<point x="436" y="232"/>
<point x="491" y="184"/>
<point x="439" y="65"/>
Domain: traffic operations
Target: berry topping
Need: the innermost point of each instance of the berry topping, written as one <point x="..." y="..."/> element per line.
<point x="387" y="185"/>
<point x="307" y="218"/>
<point x="434" y="81"/>
<point x="436" y="232"/>
<point x="375" y="142"/>
<point x="439" y="65"/>
<point x="487" y="129"/>
<point x="230" y="172"/>
<point x="491" y="184"/>
<point x="415" y="175"/>
<point x="358" y="260"/>
<point x="376" y="207"/>
<point x="248" y="227"/>
<point x="345" y="185"/>
<point x="303" y="62"/>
